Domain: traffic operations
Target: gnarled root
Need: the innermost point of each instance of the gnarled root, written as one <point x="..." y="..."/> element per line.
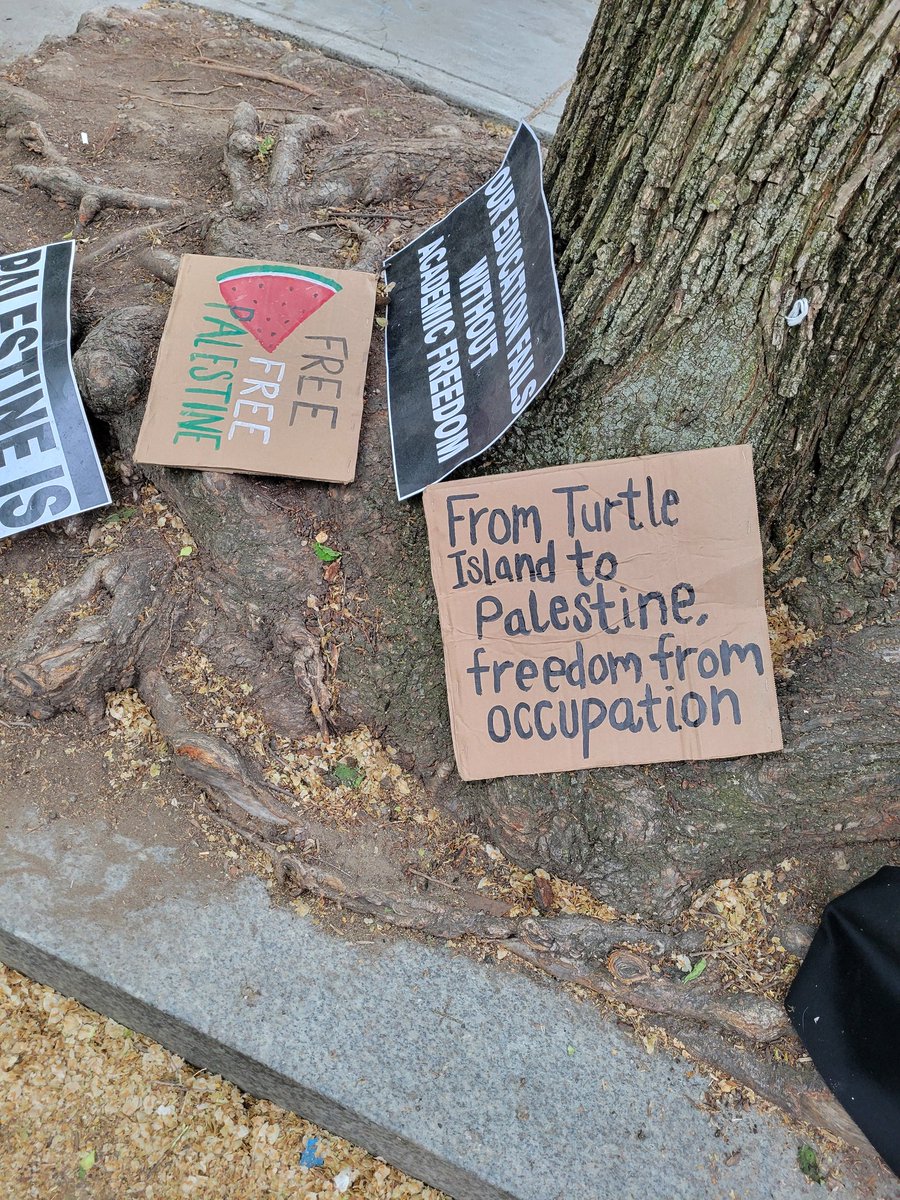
<point x="241" y="148"/>
<point x="225" y="776"/>
<point x="33" y="138"/>
<point x="54" y="668"/>
<point x="161" y="263"/>
<point x="114" y="361"/>
<point x="402" y="907"/>
<point x="797" y="1090"/>
<point x="130" y="239"/>
<point x="291" y="146"/>
<point x="62" y="182"/>
<point x="293" y="640"/>
<point x="753" y="1017"/>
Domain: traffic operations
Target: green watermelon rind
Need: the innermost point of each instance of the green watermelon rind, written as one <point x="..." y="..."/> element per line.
<point x="287" y="272"/>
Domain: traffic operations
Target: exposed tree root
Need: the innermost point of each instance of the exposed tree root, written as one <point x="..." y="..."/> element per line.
<point x="584" y="950"/>
<point x="128" y="239"/>
<point x="110" y="650"/>
<point x="241" y="148"/>
<point x="753" y="1017"/>
<point x="619" y="961"/>
<point x="33" y="138"/>
<point x="373" y="246"/>
<point x="254" y="73"/>
<point x="212" y="764"/>
<point x="404" y="909"/>
<point x="294" y="640"/>
<point x="52" y="669"/>
<point x="19" y="106"/>
<point x="62" y="182"/>
<point x="291" y="145"/>
<point x="797" y="1090"/>
<point x="113" y="362"/>
<point x="352" y="174"/>
<point x="161" y="263"/>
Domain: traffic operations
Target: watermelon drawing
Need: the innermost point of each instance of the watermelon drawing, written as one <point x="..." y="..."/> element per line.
<point x="271" y="301"/>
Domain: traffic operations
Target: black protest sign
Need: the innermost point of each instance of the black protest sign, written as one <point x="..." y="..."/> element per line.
<point x="475" y="326"/>
<point x="48" y="463"/>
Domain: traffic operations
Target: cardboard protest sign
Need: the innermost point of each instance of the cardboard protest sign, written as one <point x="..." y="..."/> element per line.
<point x="474" y="327"/>
<point x="603" y="614"/>
<point x="48" y="463"/>
<point x="261" y="369"/>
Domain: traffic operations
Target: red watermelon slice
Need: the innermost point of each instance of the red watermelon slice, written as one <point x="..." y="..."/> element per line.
<point x="271" y="300"/>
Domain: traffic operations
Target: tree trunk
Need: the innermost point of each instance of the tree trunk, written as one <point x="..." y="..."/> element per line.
<point x="715" y="164"/>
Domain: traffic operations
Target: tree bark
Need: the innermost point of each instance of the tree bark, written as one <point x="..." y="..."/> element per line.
<point x="715" y="164"/>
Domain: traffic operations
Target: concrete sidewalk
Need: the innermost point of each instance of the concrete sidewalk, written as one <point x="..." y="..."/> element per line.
<point x="514" y="60"/>
<point x="486" y="1082"/>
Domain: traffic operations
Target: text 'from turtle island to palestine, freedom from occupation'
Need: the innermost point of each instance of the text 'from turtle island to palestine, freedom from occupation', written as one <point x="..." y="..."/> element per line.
<point x="603" y="614"/>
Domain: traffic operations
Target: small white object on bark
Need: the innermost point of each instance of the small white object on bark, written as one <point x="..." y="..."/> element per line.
<point x="798" y="312"/>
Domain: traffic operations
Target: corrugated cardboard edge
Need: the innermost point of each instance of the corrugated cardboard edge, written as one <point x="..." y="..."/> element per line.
<point x="429" y="501"/>
<point x="143" y="455"/>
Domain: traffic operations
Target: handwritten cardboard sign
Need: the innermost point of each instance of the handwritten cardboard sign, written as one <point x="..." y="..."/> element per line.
<point x="48" y="463"/>
<point x="604" y="614"/>
<point x="475" y="327"/>
<point x="261" y="369"/>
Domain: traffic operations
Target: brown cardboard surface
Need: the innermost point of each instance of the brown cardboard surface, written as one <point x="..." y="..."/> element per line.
<point x="261" y="368"/>
<point x="632" y="631"/>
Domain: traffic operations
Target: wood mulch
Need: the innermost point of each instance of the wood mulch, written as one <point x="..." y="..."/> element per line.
<point x="90" y="1109"/>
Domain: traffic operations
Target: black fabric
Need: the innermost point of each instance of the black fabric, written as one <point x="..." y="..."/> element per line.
<point x="845" y="1007"/>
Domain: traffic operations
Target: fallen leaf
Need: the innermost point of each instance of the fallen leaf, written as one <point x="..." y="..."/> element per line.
<point x="543" y="893"/>
<point x="86" y="1161"/>
<point x="696" y="971"/>
<point x="808" y="1163"/>
<point x="122" y="514"/>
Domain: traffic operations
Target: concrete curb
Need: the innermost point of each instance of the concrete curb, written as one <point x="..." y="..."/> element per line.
<point x="485" y="1082"/>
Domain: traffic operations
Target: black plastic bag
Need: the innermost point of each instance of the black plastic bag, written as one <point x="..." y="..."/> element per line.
<point x="845" y="1007"/>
